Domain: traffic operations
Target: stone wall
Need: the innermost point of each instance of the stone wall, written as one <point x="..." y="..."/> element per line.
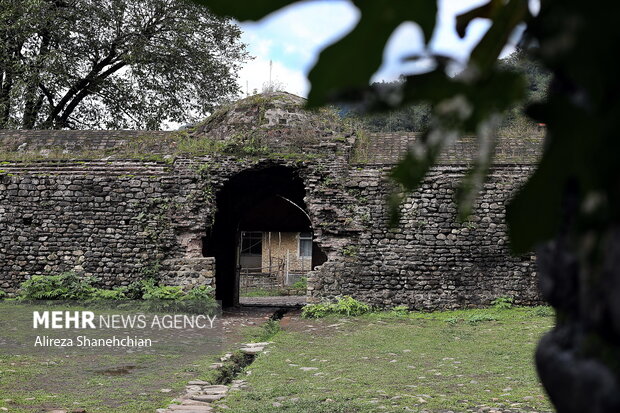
<point x="123" y="220"/>
<point x="431" y="260"/>
<point x="119" y="223"/>
<point x="263" y="281"/>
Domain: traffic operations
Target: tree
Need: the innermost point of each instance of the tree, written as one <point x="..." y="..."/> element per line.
<point x="569" y="209"/>
<point x="113" y="63"/>
<point x="416" y="117"/>
<point x="516" y="123"/>
<point x="410" y="118"/>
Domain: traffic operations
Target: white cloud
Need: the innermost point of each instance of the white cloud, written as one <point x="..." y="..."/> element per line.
<point x="256" y="73"/>
<point x="294" y="36"/>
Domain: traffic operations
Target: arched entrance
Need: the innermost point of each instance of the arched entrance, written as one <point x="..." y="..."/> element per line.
<point x="261" y="233"/>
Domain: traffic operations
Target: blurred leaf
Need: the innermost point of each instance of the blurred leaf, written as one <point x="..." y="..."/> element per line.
<point x="485" y="11"/>
<point x="505" y="20"/>
<point x="242" y="10"/>
<point x="394" y="202"/>
<point x="534" y="214"/>
<point x="351" y="62"/>
<point x="459" y="106"/>
<point x="420" y="157"/>
<point x="430" y="87"/>
<point x="471" y="184"/>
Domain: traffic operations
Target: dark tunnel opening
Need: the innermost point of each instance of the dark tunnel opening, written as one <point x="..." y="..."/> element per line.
<point x="255" y="203"/>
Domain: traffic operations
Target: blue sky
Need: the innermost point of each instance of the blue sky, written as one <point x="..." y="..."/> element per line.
<point x="293" y="37"/>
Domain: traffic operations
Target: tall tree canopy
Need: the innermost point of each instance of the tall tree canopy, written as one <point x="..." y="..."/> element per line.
<point x="569" y="209"/>
<point x="113" y="63"/>
<point x="416" y="117"/>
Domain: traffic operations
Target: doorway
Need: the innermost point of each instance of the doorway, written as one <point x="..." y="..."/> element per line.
<point x="261" y="233"/>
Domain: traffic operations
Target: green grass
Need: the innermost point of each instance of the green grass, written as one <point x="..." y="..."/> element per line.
<point x="394" y="361"/>
<point x="386" y="361"/>
<point x="261" y="292"/>
<point x="33" y="380"/>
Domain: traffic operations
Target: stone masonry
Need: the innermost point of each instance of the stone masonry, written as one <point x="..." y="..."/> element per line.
<point x="88" y="202"/>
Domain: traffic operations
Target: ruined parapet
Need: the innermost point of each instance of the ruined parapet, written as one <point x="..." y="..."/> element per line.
<point x="277" y="121"/>
<point x="389" y="148"/>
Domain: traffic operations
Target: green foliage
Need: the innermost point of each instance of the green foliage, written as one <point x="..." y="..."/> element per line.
<point x="153" y="291"/>
<point x="411" y="118"/>
<point x="2" y="294"/>
<point x="543" y="311"/>
<point x="301" y="284"/>
<point x="451" y="320"/>
<point x="117" y="293"/>
<point x="350" y="250"/>
<point x="122" y="64"/>
<point x="346" y="305"/>
<point x="502" y="303"/>
<point x="145" y="293"/>
<point x="66" y="286"/>
<point x="331" y="74"/>
<point x="267" y="331"/>
<point x="400" y="310"/>
<point x="199" y="300"/>
<point x="152" y="270"/>
<point x="135" y="290"/>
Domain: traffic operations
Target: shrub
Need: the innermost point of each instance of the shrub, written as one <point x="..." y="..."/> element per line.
<point x="66" y="286"/>
<point x="401" y="310"/>
<point x="135" y="290"/>
<point x="200" y="299"/>
<point x="202" y="292"/>
<point x="543" y="311"/>
<point x="502" y="303"/>
<point x="153" y="291"/>
<point x="267" y="331"/>
<point x="117" y="293"/>
<point x="2" y="294"/>
<point x="346" y="305"/>
<point x="301" y="284"/>
<point x="148" y="294"/>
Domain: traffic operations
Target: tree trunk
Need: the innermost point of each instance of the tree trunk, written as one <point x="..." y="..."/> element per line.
<point x="579" y="360"/>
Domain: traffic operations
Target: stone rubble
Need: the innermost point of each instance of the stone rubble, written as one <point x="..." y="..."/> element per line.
<point x="199" y="394"/>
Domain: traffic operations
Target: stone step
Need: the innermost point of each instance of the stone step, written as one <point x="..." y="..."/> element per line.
<point x="190" y="402"/>
<point x="208" y="397"/>
<point x="199" y="383"/>
<point x="187" y="409"/>
<point x="262" y="344"/>
<point x="251" y="350"/>
<point x="215" y="387"/>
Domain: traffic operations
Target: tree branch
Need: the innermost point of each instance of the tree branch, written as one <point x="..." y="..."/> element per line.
<point x="84" y="92"/>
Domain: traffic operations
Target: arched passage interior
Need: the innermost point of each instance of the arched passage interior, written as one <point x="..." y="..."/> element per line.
<point x="252" y="207"/>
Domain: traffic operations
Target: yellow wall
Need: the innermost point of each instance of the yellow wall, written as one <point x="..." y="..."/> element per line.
<point x="276" y="245"/>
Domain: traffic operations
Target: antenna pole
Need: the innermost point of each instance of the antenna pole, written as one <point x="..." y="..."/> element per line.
<point x="270" y="67"/>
